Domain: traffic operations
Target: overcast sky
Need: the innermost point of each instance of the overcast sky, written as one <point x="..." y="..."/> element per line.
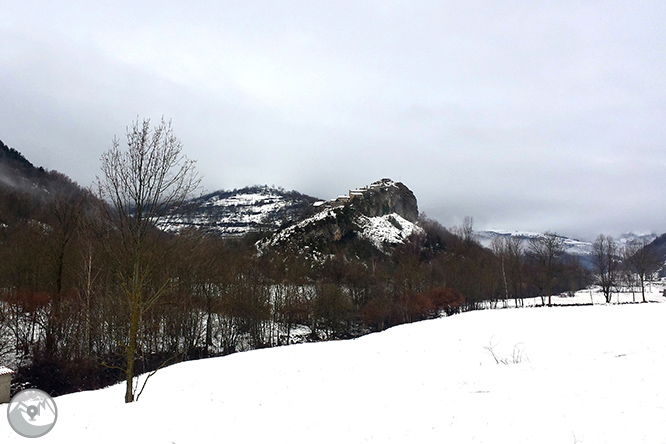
<point x="526" y="115"/>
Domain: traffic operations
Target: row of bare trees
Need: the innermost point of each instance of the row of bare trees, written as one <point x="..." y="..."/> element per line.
<point x="617" y="266"/>
<point x="545" y="264"/>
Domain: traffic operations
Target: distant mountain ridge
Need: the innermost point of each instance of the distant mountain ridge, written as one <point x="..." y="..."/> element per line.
<point x="574" y="247"/>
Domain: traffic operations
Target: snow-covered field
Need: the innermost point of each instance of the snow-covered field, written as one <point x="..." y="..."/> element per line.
<point x="593" y="295"/>
<point x="587" y="374"/>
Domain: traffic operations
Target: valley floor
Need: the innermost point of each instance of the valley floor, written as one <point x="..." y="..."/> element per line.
<point x="574" y="374"/>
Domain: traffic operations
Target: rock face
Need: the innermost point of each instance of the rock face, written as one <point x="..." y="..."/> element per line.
<point x="385" y="197"/>
<point x="380" y="215"/>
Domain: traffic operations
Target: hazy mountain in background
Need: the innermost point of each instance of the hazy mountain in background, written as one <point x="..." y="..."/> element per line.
<point x="26" y="189"/>
<point x="574" y="247"/>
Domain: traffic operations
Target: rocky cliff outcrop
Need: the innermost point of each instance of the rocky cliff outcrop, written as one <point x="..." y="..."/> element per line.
<point x="380" y="215"/>
<point x="385" y="197"/>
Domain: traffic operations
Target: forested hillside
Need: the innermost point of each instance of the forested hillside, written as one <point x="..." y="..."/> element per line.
<point x="27" y="191"/>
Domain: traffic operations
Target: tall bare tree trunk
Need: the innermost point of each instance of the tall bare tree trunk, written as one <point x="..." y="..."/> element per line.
<point x="142" y="185"/>
<point x="131" y="351"/>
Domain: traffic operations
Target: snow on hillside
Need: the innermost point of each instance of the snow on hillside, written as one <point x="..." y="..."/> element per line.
<point x="591" y="374"/>
<point x="288" y="232"/>
<point x="572" y="246"/>
<point x="238" y="212"/>
<point x="388" y="229"/>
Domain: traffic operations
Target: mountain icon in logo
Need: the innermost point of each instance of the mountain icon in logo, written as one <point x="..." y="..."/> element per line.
<point x="32" y="413"/>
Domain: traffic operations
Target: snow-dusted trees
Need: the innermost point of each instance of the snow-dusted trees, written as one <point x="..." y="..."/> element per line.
<point x="606" y="262"/>
<point x="140" y="184"/>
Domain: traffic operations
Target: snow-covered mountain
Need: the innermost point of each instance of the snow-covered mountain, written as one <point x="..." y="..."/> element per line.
<point x="324" y="228"/>
<point x="628" y="238"/>
<point x="238" y="212"/>
<point x="384" y="214"/>
<point x="572" y="246"/>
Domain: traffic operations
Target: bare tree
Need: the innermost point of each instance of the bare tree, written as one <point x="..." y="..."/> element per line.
<point x="466" y="230"/>
<point x="499" y="248"/>
<point x="509" y="251"/>
<point x="65" y="211"/>
<point x="642" y="260"/>
<point x="514" y="251"/>
<point x="140" y="185"/>
<point x="606" y="262"/>
<point x="547" y="250"/>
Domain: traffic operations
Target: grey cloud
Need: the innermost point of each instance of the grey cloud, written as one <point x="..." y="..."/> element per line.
<point x="524" y="115"/>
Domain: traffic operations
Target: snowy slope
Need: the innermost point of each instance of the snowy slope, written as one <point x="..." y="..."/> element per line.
<point x="238" y="212"/>
<point x="390" y="229"/>
<point x="382" y="231"/>
<point x="589" y="374"/>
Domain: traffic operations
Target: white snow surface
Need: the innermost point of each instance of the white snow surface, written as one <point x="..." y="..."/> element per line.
<point x="388" y="229"/>
<point x="587" y="374"/>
